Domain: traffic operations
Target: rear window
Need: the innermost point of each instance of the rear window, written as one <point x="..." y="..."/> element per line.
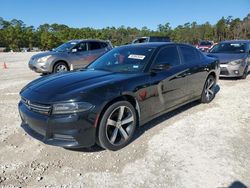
<point x="103" y="45"/>
<point x="189" y="54"/>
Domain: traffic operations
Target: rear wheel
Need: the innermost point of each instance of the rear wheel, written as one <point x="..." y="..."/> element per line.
<point x="208" y="92"/>
<point x="117" y="126"/>
<point x="60" y="67"/>
<point x="244" y="76"/>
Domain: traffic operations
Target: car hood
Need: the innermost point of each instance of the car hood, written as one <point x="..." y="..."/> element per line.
<point x="43" y="54"/>
<point x="225" y="58"/>
<point x="67" y="84"/>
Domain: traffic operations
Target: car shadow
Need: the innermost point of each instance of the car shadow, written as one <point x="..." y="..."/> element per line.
<point x="92" y="149"/>
<point x="237" y="184"/>
<point x="230" y="78"/>
<point x="216" y="89"/>
<point x="149" y="125"/>
<point x="167" y="116"/>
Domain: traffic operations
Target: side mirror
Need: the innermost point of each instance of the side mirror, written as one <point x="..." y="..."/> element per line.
<point x="74" y="50"/>
<point x="161" y="67"/>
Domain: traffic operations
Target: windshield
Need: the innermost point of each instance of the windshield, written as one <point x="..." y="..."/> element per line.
<point x="65" y="47"/>
<point x="228" y="48"/>
<point x="205" y="43"/>
<point x="123" y="59"/>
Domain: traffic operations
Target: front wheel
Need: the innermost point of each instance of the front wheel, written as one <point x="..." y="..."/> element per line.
<point x="117" y="126"/>
<point x="60" y="67"/>
<point x="208" y="92"/>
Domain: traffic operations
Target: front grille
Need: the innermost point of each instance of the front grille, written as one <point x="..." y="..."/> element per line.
<point x="224" y="71"/>
<point x="39" y="108"/>
<point x="32" y="67"/>
<point x="224" y="62"/>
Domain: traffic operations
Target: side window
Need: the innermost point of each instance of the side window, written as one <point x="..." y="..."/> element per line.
<point x="94" y="46"/>
<point x="168" y="55"/>
<point x="189" y="54"/>
<point x="81" y="47"/>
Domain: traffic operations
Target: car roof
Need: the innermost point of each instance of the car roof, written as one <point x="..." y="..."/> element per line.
<point x="86" y="40"/>
<point x="235" y="41"/>
<point x="151" y="44"/>
<point x="157" y="44"/>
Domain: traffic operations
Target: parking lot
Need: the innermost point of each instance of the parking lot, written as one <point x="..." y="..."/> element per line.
<point x="198" y="145"/>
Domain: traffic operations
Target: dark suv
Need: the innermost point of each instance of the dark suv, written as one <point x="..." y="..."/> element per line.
<point x="151" y="39"/>
<point x="74" y="54"/>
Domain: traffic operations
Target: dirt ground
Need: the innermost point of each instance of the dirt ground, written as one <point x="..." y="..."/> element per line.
<point x="198" y="145"/>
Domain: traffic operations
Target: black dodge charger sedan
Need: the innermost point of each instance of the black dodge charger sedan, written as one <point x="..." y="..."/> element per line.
<point x="124" y="88"/>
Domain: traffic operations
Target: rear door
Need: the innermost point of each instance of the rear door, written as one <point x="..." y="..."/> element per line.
<point x="195" y="66"/>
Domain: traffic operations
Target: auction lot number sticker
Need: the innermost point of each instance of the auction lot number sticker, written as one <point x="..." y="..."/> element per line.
<point x="134" y="56"/>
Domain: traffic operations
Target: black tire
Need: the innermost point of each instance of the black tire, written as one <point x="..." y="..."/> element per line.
<point x="60" y="67"/>
<point x="208" y="92"/>
<point x="244" y="76"/>
<point x="112" y="134"/>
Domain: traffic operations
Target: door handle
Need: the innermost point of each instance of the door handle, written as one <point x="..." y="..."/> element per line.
<point x="183" y="75"/>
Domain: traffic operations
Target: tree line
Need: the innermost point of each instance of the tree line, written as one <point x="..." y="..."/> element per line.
<point x="15" y="34"/>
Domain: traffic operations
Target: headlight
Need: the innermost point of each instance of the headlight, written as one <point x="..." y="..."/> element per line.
<point x="68" y="108"/>
<point x="43" y="59"/>
<point x="236" y="62"/>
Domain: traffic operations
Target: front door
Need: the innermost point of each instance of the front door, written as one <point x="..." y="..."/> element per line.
<point x="79" y="56"/>
<point x="169" y="84"/>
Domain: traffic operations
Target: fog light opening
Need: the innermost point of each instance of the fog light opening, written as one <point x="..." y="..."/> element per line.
<point x="236" y="72"/>
<point x="63" y="137"/>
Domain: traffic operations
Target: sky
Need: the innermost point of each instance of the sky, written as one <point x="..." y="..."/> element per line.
<point x="132" y="13"/>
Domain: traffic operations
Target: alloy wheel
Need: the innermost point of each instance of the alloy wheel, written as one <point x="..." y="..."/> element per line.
<point x="209" y="89"/>
<point x="61" y="68"/>
<point x="119" y="125"/>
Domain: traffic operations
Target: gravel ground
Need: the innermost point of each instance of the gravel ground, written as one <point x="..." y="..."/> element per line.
<point x="198" y="145"/>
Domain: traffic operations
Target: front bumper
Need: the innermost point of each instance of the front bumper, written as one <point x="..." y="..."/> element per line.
<point x="39" y="67"/>
<point x="231" y="70"/>
<point x="68" y="131"/>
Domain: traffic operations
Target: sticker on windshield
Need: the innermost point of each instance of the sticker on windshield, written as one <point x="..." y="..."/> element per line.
<point x="135" y="66"/>
<point x="134" y="56"/>
<point x="236" y="45"/>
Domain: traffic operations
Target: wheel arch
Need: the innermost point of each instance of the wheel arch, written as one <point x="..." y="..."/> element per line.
<point x="212" y="73"/>
<point x="125" y="97"/>
<point x="58" y="61"/>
